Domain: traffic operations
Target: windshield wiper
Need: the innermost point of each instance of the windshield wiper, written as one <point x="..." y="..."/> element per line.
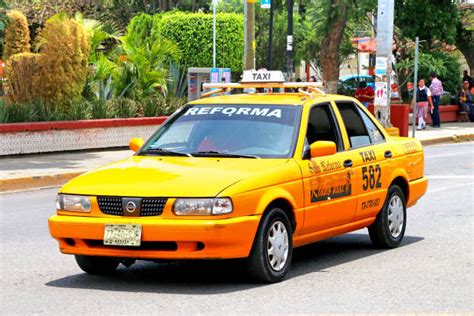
<point x="212" y="153"/>
<point x="164" y="152"/>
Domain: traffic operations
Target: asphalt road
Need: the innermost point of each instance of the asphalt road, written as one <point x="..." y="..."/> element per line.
<point x="431" y="272"/>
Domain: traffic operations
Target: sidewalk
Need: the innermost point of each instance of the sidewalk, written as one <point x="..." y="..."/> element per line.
<point x="50" y="170"/>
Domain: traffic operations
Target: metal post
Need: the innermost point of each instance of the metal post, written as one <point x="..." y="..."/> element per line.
<point x="249" y="36"/>
<point x="385" y="15"/>
<point x="270" y="38"/>
<point x="214" y="4"/>
<point x="415" y="86"/>
<point x="289" y="40"/>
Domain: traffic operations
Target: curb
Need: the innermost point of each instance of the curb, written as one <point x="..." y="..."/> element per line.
<point x="448" y="139"/>
<point x="46" y="181"/>
<point x="36" y="182"/>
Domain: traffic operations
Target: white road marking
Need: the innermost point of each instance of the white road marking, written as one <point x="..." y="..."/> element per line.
<point x="451" y="176"/>
<point x="445" y="155"/>
<point x="463" y="185"/>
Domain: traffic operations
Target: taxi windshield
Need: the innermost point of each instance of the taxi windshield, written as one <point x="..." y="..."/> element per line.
<point x="234" y="131"/>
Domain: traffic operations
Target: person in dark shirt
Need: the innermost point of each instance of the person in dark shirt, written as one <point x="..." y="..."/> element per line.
<point x="423" y="100"/>
<point x="467" y="78"/>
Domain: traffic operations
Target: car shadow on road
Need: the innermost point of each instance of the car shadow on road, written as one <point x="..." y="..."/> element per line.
<point x="223" y="276"/>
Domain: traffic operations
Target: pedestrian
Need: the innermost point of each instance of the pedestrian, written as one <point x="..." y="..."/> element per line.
<point x="423" y="99"/>
<point x="436" y="89"/>
<point x="365" y="94"/>
<point x="465" y="101"/>
<point x="467" y="78"/>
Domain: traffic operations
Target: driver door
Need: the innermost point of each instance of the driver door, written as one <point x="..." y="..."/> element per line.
<point x="328" y="181"/>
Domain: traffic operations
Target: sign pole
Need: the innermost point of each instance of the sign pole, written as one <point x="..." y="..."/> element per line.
<point x="385" y="13"/>
<point x="249" y="34"/>
<point x="270" y="38"/>
<point x="214" y="3"/>
<point x="415" y="86"/>
<point x="289" y="40"/>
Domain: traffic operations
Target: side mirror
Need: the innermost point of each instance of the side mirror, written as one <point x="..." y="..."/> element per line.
<point x="136" y="143"/>
<point x="322" y="148"/>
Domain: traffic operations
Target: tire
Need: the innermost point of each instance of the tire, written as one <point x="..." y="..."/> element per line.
<point x="388" y="229"/>
<point x="97" y="265"/>
<point x="266" y="265"/>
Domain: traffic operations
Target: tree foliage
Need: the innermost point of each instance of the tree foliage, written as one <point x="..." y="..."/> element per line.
<point x="331" y="25"/>
<point x="64" y="46"/>
<point x="465" y="34"/>
<point x="192" y="34"/>
<point x="17" y="35"/>
<point x="432" y="21"/>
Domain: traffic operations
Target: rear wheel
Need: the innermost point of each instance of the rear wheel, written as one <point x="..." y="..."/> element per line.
<point x="272" y="251"/>
<point x="389" y="227"/>
<point x="97" y="265"/>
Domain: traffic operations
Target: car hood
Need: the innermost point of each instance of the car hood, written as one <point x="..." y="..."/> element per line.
<point x="168" y="176"/>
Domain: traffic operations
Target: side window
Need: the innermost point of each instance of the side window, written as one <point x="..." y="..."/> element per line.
<point x="374" y="132"/>
<point x="355" y="127"/>
<point x="321" y="126"/>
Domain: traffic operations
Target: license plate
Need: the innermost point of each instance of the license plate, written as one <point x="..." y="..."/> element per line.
<point x="122" y="235"/>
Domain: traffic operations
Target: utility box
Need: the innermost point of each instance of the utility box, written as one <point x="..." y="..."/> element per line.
<point x="196" y="78"/>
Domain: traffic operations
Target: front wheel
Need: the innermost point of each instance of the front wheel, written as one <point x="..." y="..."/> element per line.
<point x="272" y="251"/>
<point x="97" y="265"/>
<point x="389" y="227"/>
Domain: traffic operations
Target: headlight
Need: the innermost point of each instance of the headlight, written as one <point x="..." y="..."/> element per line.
<point x="217" y="206"/>
<point x="73" y="203"/>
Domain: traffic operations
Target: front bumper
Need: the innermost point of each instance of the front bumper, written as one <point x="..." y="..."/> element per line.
<point x="161" y="238"/>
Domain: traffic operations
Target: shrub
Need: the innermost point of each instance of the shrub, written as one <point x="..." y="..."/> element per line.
<point x="64" y="46"/>
<point x="169" y="105"/>
<point x="78" y="110"/>
<point x="150" y="106"/>
<point x="22" y="71"/>
<point x="100" y="109"/>
<point x="192" y="33"/>
<point x="123" y="107"/>
<point x="16" y="113"/>
<point x="16" y="35"/>
<point x="139" y="29"/>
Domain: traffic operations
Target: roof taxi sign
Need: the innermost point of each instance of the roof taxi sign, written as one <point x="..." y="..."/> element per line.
<point x="261" y="76"/>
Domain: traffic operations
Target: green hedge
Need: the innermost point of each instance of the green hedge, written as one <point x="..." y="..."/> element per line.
<point x="192" y="33"/>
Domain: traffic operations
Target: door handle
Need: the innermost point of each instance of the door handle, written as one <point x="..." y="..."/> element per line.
<point x="347" y="163"/>
<point x="388" y="154"/>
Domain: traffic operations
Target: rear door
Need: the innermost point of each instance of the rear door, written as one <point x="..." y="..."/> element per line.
<point x="371" y="158"/>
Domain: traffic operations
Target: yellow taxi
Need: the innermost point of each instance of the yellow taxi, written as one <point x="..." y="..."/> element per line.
<point x="248" y="175"/>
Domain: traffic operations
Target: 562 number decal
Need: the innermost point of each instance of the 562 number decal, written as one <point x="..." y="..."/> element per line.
<point x="371" y="177"/>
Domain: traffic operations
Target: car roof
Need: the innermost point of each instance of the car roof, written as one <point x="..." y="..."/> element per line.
<point x="347" y="77"/>
<point x="271" y="98"/>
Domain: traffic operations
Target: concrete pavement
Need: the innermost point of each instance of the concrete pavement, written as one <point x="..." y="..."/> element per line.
<point x="430" y="273"/>
<point x="49" y="170"/>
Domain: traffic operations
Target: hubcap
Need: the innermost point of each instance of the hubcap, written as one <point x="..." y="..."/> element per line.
<point x="396" y="216"/>
<point x="277" y="246"/>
